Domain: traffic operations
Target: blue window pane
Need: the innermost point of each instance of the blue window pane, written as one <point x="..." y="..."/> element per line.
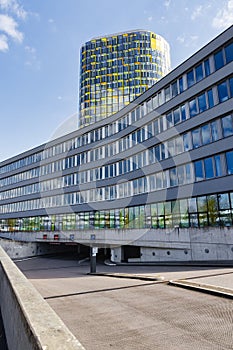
<point x="169" y="120"/>
<point x="187" y="142"/>
<point x="196" y="138"/>
<point x="210" y="98"/>
<point x="209" y="171"/>
<point x="183" y="113"/>
<point x="215" y="131"/>
<point x="202" y="103"/>
<point x="227" y="126"/>
<point x="218" y="165"/>
<point x="192" y="108"/>
<point x="190" y="78"/>
<point x="199" y="73"/>
<point x="229" y="158"/>
<point x="223" y="201"/>
<point x="218" y="60"/>
<point x="173" y="177"/>
<point x="222" y="92"/>
<point x="205" y="133"/>
<point x="229" y="53"/>
<point x="231" y="86"/>
<point x="207" y="67"/>
<point x="198" y="170"/>
<point x="176" y="116"/>
<point x="181" y="85"/>
<point x="174" y="89"/>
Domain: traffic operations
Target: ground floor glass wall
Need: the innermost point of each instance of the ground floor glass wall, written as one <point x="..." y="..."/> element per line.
<point x="211" y="210"/>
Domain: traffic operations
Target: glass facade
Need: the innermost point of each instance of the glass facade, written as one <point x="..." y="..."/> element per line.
<point x="116" y="69"/>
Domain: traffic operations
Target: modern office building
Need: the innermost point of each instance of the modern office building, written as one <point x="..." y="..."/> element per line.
<point x="154" y="181"/>
<point x="117" y="68"/>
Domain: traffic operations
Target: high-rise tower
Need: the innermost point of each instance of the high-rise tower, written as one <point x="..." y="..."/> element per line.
<point x="117" y="68"/>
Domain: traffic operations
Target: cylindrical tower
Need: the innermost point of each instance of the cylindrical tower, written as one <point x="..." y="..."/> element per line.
<point x="117" y="68"/>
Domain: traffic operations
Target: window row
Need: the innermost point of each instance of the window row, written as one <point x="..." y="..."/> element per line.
<point x="204" y="169"/>
<point x="212" y="210"/>
<point x="207" y="133"/>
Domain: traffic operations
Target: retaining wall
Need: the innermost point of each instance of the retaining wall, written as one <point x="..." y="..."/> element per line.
<point x="29" y="322"/>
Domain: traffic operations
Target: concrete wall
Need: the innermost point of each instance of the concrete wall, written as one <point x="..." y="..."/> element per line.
<point x="21" y="249"/>
<point x="29" y="321"/>
<point x="174" y="244"/>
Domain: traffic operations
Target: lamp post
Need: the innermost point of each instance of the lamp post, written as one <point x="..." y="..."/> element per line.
<point x="93" y="252"/>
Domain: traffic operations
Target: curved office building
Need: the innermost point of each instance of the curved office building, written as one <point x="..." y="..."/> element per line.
<point x="153" y="182"/>
<point x="117" y="68"/>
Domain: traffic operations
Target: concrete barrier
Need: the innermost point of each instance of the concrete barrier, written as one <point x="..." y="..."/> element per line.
<point x="29" y="322"/>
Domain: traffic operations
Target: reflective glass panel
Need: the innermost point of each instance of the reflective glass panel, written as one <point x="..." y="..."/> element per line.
<point x="198" y="170"/>
<point x="205" y="133"/>
<point x="190" y="78"/>
<point x="209" y="171"/>
<point x="227" y="126"/>
<point x="196" y="138"/>
<point x="218" y="165"/>
<point x="231" y="86"/>
<point x="215" y="131"/>
<point x="199" y="72"/>
<point x="229" y="53"/>
<point x="210" y="98"/>
<point x="207" y="67"/>
<point x="223" y="201"/>
<point x="174" y="89"/>
<point x="192" y="108"/>
<point x="181" y="85"/>
<point x="229" y="158"/>
<point x="176" y="114"/>
<point x="183" y="113"/>
<point x="222" y="92"/>
<point x="202" y="103"/>
<point x="218" y="60"/>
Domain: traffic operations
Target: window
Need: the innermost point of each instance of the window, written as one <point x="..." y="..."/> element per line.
<point x="209" y="171"/>
<point x="198" y="170"/>
<point x="181" y="85"/>
<point x="199" y="72"/>
<point x="223" y="201"/>
<point x="174" y="89"/>
<point x="190" y="78"/>
<point x="207" y="67"/>
<point x="215" y="130"/>
<point x="229" y="158"/>
<point x="210" y="98"/>
<point x="202" y="103"/>
<point x="176" y="114"/>
<point x="196" y="138"/>
<point x="173" y="177"/>
<point x="167" y="94"/>
<point x="231" y="86"/>
<point x="205" y="133"/>
<point x="192" y="108"/>
<point x="218" y="165"/>
<point x="187" y="142"/>
<point x="183" y="113"/>
<point x="169" y="120"/>
<point x="218" y="60"/>
<point x="222" y="92"/>
<point x="229" y="53"/>
<point x="227" y="126"/>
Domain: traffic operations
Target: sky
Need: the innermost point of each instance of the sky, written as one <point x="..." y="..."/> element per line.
<point x="39" y="54"/>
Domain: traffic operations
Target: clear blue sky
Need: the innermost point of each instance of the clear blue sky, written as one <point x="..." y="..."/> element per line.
<point x="39" y="54"/>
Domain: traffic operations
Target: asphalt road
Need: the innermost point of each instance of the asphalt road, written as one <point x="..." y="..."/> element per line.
<point x="120" y="313"/>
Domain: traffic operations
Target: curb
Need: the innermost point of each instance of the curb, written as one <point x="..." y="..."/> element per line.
<point x="130" y="276"/>
<point x="204" y="288"/>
